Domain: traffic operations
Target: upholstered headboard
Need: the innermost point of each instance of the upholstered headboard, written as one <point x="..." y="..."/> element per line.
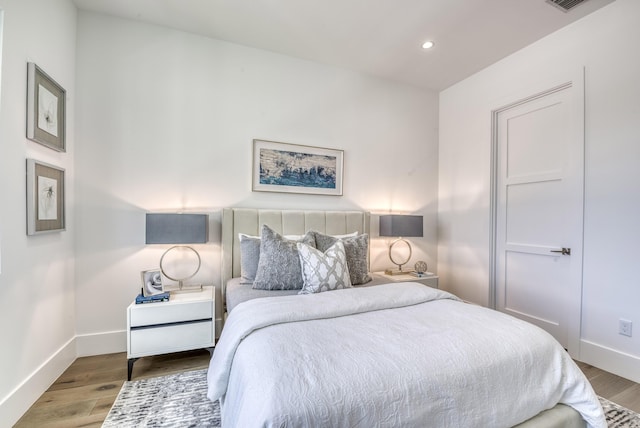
<point x="285" y="222"/>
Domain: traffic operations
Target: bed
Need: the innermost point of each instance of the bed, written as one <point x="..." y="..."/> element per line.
<point x="399" y="354"/>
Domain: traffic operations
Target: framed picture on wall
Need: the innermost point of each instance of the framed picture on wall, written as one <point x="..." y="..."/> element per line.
<point x="45" y="198"/>
<point x="291" y="168"/>
<point x="46" y="109"/>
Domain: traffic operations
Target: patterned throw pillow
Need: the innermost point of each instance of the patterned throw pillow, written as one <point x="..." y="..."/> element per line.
<point x="250" y="255"/>
<point x="323" y="271"/>
<point x="279" y="265"/>
<point x="357" y="251"/>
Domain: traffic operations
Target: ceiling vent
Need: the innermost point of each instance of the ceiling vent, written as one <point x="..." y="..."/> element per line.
<point x="565" y="5"/>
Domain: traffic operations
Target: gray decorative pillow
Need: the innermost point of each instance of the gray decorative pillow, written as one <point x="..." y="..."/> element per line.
<point x="357" y="250"/>
<point x="249" y="257"/>
<point x="323" y="271"/>
<point x="279" y="265"/>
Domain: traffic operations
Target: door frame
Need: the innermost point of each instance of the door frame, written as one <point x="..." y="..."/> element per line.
<point x="577" y="86"/>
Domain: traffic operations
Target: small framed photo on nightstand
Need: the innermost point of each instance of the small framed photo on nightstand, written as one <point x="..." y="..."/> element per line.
<point x="151" y="282"/>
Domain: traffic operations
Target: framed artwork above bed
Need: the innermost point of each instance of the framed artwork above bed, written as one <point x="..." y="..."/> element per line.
<point x="292" y="168"/>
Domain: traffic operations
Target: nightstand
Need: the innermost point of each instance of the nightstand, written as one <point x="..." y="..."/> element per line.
<point x="431" y="280"/>
<point x="185" y="322"/>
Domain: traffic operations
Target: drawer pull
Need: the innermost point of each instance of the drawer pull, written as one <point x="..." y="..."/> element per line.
<point x="144" y="327"/>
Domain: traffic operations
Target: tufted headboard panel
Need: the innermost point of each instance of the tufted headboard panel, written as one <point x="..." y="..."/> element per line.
<point x="285" y="222"/>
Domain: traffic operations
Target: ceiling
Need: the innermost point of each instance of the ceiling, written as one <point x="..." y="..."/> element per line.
<point x="378" y="37"/>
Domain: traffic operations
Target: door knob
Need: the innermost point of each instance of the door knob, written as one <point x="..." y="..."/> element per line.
<point x="564" y="251"/>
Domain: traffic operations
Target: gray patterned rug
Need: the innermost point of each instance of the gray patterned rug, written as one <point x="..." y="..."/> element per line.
<point x="177" y="400"/>
<point x="618" y="416"/>
<point x="180" y="400"/>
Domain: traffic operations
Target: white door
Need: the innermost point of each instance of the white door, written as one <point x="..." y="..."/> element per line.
<point x="539" y="211"/>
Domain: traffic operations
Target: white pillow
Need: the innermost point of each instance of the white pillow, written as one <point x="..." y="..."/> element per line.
<point x="242" y="236"/>
<point x="323" y="271"/>
<point x="346" y="235"/>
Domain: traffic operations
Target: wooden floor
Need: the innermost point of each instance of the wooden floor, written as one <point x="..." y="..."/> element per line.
<point x="85" y="392"/>
<point x="614" y="388"/>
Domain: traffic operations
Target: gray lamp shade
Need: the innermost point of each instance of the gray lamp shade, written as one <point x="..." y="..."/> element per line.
<point x="177" y="228"/>
<point x="401" y="225"/>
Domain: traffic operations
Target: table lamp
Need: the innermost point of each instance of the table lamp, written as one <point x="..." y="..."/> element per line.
<point x="178" y="229"/>
<point x="400" y="226"/>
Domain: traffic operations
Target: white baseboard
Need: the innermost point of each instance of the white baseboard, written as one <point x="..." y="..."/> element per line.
<point x="109" y="342"/>
<point x="610" y="360"/>
<point x="14" y="405"/>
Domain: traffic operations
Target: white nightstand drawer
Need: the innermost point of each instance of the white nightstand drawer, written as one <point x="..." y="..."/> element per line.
<point x="430" y="280"/>
<point x="164" y="313"/>
<point x="170" y="338"/>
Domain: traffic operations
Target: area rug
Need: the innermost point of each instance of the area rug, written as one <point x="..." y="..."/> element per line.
<point x="618" y="416"/>
<point x="180" y="400"/>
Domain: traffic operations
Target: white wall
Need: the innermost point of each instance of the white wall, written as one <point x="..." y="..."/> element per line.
<point x="37" y="308"/>
<point x="165" y="121"/>
<point x="605" y="43"/>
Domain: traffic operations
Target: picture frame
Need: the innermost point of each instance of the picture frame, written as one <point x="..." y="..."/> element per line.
<point x="151" y="282"/>
<point x="45" y="198"/>
<point x="294" y="168"/>
<point x="46" y="109"/>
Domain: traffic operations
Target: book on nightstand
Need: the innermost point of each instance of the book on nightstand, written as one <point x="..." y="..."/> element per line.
<point x="162" y="297"/>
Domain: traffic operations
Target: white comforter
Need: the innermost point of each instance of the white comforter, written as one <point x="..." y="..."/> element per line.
<point x="392" y="355"/>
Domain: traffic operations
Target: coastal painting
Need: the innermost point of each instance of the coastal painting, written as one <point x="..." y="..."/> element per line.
<point x="291" y="168"/>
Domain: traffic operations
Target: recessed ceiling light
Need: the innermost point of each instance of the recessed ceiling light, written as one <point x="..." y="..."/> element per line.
<point x="428" y="44"/>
